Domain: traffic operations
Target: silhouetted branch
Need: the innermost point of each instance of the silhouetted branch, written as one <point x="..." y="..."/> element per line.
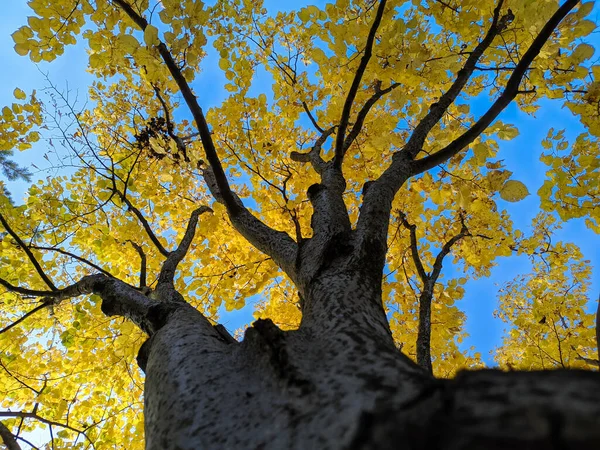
<point x="347" y="109"/>
<point x="30" y="255"/>
<point x="438" y="109"/>
<point x="72" y="255"/>
<point x="510" y="92"/>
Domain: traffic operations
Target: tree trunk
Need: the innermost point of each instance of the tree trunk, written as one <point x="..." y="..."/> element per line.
<point x="338" y="382"/>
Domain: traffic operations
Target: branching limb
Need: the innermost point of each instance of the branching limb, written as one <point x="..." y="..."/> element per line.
<point x="274" y="243"/>
<point x="163" y="251"/>
<point x="347" y="109"/>
<point x="376" y="207"/>
<point x="72" y="255"/>
<point x="362" y="114"/>
<point x="29" y="254"/>
<point x="167" y="273"/>
<point x="314" y="155"/>
<point x="437" y="110"/>
<point x="510" y="92"/>
<point x="9" y="439"/>
<point x="232" y="206"/>
<point x="428" y="280"/>
<point x="138" y="248"/>
<point x="118" y="298"/>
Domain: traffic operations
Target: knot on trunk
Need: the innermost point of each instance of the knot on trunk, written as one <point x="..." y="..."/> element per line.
<point x="143" y="354"/>
<point x="266" y="338"/>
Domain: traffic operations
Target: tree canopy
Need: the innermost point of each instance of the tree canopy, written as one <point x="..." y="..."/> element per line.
<point x="379" y="101"/>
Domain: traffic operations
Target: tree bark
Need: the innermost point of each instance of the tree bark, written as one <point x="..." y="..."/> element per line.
<point x="338" y="382"/>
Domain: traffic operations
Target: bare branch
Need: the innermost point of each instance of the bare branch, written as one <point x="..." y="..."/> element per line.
<point x="364" y="61"/>
<point x="510" y="92"/>
<point x="30" y="255"/>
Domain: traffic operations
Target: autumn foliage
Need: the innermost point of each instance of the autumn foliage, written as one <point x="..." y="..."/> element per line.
<point x="134" y="166"/>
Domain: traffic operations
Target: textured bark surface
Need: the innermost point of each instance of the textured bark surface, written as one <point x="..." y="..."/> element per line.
<point x="339" y="383"/>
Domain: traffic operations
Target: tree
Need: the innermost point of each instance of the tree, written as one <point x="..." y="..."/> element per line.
<point x="359" y="174"/>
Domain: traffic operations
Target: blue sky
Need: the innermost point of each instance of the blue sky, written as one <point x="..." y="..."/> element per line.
<point x="521" y="156"/>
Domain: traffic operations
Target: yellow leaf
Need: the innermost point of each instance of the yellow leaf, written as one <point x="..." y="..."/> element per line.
<point x="19" y="94"/>
<point x="513" y="191"/>
<point x="22" y="48"/>
<point x="151" y="36"/>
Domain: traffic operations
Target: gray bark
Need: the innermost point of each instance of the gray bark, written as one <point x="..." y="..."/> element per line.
<point x="338" y="382"/>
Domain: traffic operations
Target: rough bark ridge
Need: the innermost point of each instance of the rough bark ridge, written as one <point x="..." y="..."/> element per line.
<point x="339" y="383"/>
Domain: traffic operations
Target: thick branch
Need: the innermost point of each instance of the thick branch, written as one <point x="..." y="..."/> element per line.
<point x="192" y="102"/>
<point x="165" y="287"/>
<point x="314" y="155"/>
<point x="510" y="92"/>
<point x="275" y="244"/>
<point x="437" y="110"/>
<point x="29" y="254"/>
<point x="364" y="61"/>
<point x="8" y="438"/>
